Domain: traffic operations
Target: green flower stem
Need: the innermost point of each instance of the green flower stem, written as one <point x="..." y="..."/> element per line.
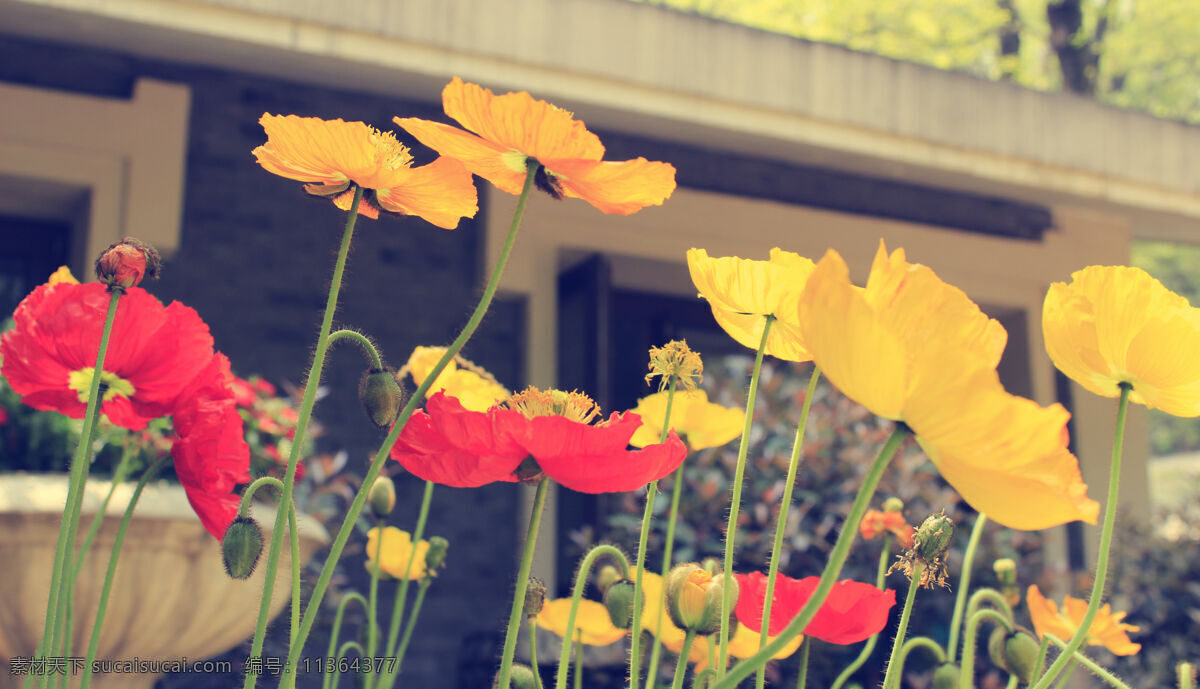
<point x="707" y="674"/>
<point x="869" y="647"/>
<point x="736" y="502"/>
<point x="581" y="577"/>
<point x="412" y="622"/>
<point x="964" y="585"/>
<point x="79" y="474"/>
<point x="98" y="518"/>
<point x="372" y="606"/>
<point x="911" y="645"/>
<point x="306" y="405"/>
<point x="579" y="659"/>
<point x="361" y="340"/>
<point x="1187" y="675"/>
<point x="360" y="499"/>
<point x="989" y="595"/>
<point x="837" y="558"/>
<point x="635" y="656"/>
<point x="805" y="647"/>
<point x="1013" y="682"/>
<point x="1040" y="663"/>
<point x="94" y="642"/>
<point x="682" y="663"/>
<point x="785" y="508"/>
<point x="533" y="661"/>
<point x="1066" y="674"/>
<point x="337" y="671"/>
<point x="966" y="678"/>
<point x="518" y="606"/>
<point x="391" y="670"/>
<point x="1110" y="517"/>
<point x="668" y="547"/>
<point x="327" y="677"/>
<point x="1093" y="666"/>
<point x="893" y="667"/>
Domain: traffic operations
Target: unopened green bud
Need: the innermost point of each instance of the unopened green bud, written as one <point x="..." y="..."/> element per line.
<point x="535" y="597"/>
<point x="946" y="676"/>
<point x="933" y="537"/>
<point x="893" y="505"/>
<point x="1020" y="655"/>
<point x="241" y="547"/>
<point x="607" y="576"/>
<point x="996" y="648"/>
<point x="521" y="677"/>
<point x="618" y="599"/>
<point x="381" y="396"/>
<point x="435" y="557"/>
<point x="1005" y="569"/>
<point x="712" y="564"/>
<point x="382" y="498"/>
<point x="694" y="598"/>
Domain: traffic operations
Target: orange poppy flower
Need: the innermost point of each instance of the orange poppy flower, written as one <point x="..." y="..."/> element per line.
<point x="1107" y="629"/>
<point x="512" y="128"/>
<point x="332" y="156"/>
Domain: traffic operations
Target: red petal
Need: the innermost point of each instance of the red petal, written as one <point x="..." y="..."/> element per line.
<point x="452" y="446"/>
<point x="595" y="459"/>
<point x="852" y="612"/>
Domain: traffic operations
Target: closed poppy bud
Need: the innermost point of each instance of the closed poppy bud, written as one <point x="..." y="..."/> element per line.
<point x="996" y="648"/>
<point x="125" y="263"/>
<point x="382" y="497"/>
<point x="1006" y="570"/>
<point x="933" y="536"/>
<point x="607" y="576"/>
<point x="521" y="677"/>
<point x="893" y="505"/>
<point x="381" y="396"/>
<point x="535" y="597"/>
<point x="1020" y="655"/>
<point x="946" y="676"/>
<point x="694" y="598"/>
<point x="435" y="557"/>
<point x="241" y="547"/>
<point x="618" y="599"/>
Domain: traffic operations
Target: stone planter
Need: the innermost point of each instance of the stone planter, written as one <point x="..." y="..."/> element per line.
<point x="171" y="598"/>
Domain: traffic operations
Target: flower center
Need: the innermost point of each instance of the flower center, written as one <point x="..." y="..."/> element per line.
<point x="392" y="154"/>
<point x="81" y="382"/>
<point x="575" y="405"/>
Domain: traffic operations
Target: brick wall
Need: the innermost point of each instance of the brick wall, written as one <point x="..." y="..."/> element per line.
<point x="255" y="260"/>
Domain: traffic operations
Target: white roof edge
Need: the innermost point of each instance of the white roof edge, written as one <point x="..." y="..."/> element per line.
<point x="666" y="74"/>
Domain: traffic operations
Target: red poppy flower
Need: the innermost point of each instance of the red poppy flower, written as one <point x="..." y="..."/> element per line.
<point x="211" y="455"/>
<point x="450" y="445"/>
<point x="852" y="612"/>
<point x="153" y="352"/>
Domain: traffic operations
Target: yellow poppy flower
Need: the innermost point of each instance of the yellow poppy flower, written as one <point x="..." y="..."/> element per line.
<point x="912" y="348"/>
<point x="591" y="620"/>
<point x="1107" y="628"/>
<point x="703" y="423"/>
<point x="397" y="548"/>
<point x="1115" y="324"/>
<point x="472" y="386"/>
<point x="330" y="156"/>
<point x="743" y="291"/>
<point x="62" y="276"/>
<point x="743" y="643"/>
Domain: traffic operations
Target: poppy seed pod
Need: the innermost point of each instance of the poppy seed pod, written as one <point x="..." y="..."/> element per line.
<point x="607" y="576"/>
<point x="125" y="263"/>
<point x="382" y="498"/>
<point x="435" y="557"/>
<point x="933" y="536"/>
<point x="381" y="396"/>
<point x="535" y="597"/>
<point x="1020" y="654"/>
<point x="618" y="600"/>
<point x="946" y="676"/>
<point x="241" y="547"/>
<point x="694" y="598"/>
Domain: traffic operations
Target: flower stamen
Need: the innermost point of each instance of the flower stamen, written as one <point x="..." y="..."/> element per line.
<point x="573" y="405"/>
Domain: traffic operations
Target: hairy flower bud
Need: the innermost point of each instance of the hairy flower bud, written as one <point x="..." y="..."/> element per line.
<point x="241" y="547"/>
<point x="435" y="557"/>
<point x="893" y="505"/>
<point x="694" y="598"/>
<point x="1020" y="654"/>
<point x="535" y="597"/>
<point x="946" y="676"/>
<point x="125" y="263"/>
<point x="1006" y="570"/>
<point x="520" y="677"/>
<point x="995" y="647"/>
<point x="381" y="396"/>
<point x="607" y="576"/>
<point x="382" y="497"/>
<point x="618" y="599"/>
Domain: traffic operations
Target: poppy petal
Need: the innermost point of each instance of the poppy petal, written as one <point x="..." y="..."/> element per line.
<point x="615" y="187"/>
<point x="441" y="192"/>
<point x="501" y="166"/>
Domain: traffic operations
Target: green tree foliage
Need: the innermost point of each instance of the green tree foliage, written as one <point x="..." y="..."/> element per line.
<point x="1141" y="54"/>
